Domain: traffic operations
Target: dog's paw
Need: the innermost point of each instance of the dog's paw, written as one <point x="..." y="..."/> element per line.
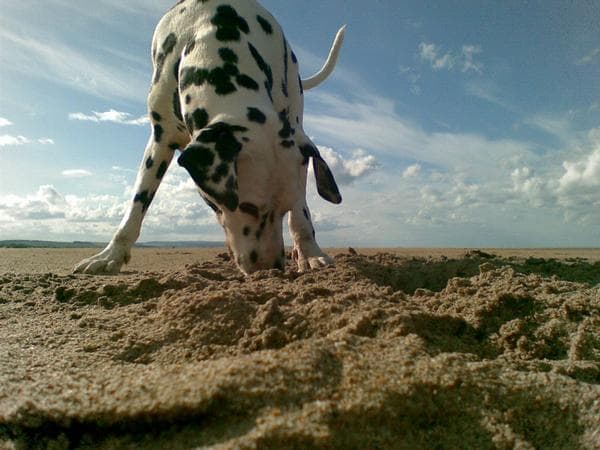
<point x="315" y="259"/>
<point x="108" y="261"/>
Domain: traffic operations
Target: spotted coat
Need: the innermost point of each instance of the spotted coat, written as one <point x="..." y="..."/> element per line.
<point x="227" y="92"/>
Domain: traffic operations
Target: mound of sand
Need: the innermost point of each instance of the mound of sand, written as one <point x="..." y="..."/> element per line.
<point x="382" y="351"/>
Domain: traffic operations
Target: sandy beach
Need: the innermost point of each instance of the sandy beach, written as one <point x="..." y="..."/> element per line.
<point x="389" y="349"/>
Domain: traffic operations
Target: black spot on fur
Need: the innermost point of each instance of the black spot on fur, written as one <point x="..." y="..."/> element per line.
<point x="188" y="99"/>
<point x="221" y="80"/>
<point x="287" y="143"/>
<point x="192" y="76"/>
<point x="247" y="82"/>
<point x="250" y="209"/>
<point x="305" y="211"/>
<point x="174" y="146"/>
<point x="158" y="132"/>
<point x="176" y="70"/>
<point x="189" y="47"/>
<point x="156" y="116"/>
<point x="286" y="129"/>
<point x="219" y="77"/>
<point x="256" y="115"/>
<point x="231" y="69"/>
<point x="177" y="105"/>
<point x="167" y="47"/>
<point x="228" y="55"/>
<point x="265" y="25"/>
<point x="261" y="227"/>
<point x="246" y="231"/>
<point x="231" y="183"/>
<point x="284" y="83"/>
<point x="144" y="198"/>
<point x="149" y="162"/>
<point x="294" y="59"/>
<point x="264" y="67"/>
<point x="162" y="169"/>
<point x="229" y="24"/>
<point x="220" y="172"/>
<point x="223" y="136"/>
<point x="201" y="157"/>
<point x="300" y="84"/>
<point x="197" y="120"/>
<point x="253" y="257"/>
<point x="169" y="44"/>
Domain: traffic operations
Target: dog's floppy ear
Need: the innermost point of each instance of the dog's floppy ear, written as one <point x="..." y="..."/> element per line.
<point x="326" y="185"/>
<point x="217" y="181"/>
<point x="211" y="162"/>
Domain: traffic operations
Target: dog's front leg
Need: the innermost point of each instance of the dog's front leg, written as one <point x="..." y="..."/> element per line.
<point x="307" y="253"/>
<point x="157" y="158"/>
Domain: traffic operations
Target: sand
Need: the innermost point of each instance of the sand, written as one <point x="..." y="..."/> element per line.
<point x="391" y="349"/>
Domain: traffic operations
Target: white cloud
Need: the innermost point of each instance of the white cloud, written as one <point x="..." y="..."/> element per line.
<point x="468" y="59"/>
<point x="9" y="140"/>
<point x="486" y="187"/>
<point x="346" y="170"/>
<point x="5" y="122"/>
<point x="555" y="125"/>
<point x="431" y="54"/>
<point x="122" y="169"/>
<point x="371" y="123"/>
<point x="489" y="91"/>
<point x="534" y="189"/>
<point x="61" y="63"/>
<point x="110" y="116"/>
<point x="413" y="78"/>
<point x="77" y="173"/>
<point x="582" y="174"/>
<point x="464" y="60"/>
<point x="6" y="140"/>
<point x="177" y="212"/>
<point x="412" y="171"/>
<point x="589" y="58"/>
<point x="46" y="203"/>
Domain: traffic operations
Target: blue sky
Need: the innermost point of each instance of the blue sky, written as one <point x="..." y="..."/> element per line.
<point x="450" y="123"/>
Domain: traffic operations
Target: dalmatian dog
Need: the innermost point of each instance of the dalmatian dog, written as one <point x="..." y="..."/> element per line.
<point x="226" y="91"/>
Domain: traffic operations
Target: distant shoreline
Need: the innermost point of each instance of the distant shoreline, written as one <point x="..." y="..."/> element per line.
<point x="24" y="243"/>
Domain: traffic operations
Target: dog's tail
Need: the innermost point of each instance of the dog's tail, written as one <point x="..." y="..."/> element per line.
<point x="329" y="65"/>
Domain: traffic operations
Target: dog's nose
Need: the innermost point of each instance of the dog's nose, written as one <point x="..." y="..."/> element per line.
<point x="252" y="262"/>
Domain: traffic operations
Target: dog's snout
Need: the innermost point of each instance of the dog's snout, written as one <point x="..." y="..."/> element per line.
<point x="253" y="261"/>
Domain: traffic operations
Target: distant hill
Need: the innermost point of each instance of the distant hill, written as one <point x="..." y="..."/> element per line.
<point x="22" y="243"/>
<point x="181" y="244"/>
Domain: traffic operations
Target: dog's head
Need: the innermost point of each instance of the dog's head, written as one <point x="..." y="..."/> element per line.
<point x="251" y="190"/>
